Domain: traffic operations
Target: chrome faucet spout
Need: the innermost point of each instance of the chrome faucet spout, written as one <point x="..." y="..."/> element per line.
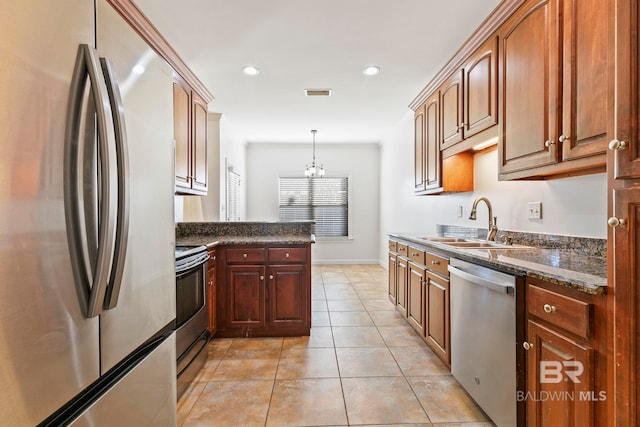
<point x="493" y="227"/>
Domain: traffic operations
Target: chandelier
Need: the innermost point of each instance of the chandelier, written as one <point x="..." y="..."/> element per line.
<point x="313" y="170"/>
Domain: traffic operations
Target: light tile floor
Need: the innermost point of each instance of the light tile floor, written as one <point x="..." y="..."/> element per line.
<point x="362" y="365"/>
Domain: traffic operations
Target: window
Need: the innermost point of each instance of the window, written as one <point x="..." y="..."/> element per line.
<point x="324" y="200"/>
<point x="233" y="191"/>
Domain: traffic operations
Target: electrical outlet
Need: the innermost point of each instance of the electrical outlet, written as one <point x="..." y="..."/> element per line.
<point x="534" y="210"/>
<point x="459" y="211"/>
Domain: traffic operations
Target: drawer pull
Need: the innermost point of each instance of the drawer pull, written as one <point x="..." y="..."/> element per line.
<point x="435" y="262"/>
<point x="244" y="255"/>
<point x="527" y="346"/>
<point x="548" y="308"/>
<point x="286" y="255"/>
<point x="271" y="277"/>
<point x="261" y="277"/>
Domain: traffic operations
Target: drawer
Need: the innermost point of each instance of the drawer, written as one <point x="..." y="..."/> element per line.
<point x="416" y="255"/>
<point x="437" y="264"/>
<point x="297" y="255"/>
<point x="567" y="313"/>
<point x="246" y="255"/>
<point x="403" y="250"/>
<point x="393" y="246"/>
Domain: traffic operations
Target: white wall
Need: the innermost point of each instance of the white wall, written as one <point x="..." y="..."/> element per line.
<point x="265" y="162"/>
<point x="570" y="206"/>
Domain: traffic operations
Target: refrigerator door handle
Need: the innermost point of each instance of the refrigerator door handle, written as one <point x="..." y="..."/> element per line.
<point x="90" y="285"/>
<point x="122" y="159"/>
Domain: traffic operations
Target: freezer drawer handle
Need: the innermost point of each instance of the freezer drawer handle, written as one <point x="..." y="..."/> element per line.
<point x="494" y="286"/>
<point x="90" y="203"/>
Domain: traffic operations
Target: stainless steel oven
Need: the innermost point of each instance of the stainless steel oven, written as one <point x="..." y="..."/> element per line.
<point x="192" y="315"/>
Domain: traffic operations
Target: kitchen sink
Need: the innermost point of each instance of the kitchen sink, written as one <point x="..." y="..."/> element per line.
<point x="460" y="242"/>
<point x="469" y="244"/>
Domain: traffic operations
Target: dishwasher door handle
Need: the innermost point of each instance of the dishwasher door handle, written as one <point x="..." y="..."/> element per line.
<point x="494" y="286"/>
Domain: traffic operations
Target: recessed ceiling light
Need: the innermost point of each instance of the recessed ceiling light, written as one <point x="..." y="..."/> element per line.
<point x="250" y="70"/>
<point x="371" y="70"/>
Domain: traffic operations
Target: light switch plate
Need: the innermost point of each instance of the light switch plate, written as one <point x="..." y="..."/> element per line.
<point x="534" y="210"/>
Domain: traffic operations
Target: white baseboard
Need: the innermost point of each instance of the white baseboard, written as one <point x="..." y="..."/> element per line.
<point x="344" y="261"/>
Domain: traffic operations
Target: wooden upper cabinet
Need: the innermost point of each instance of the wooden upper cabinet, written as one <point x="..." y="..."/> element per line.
<point x="433" y="157"/>
<point x="553" y="104"/>
<point x="419" y="153"/>
<point x="480" y="104"/>
<point x="529" y="79"/>
<point x="451" y="102"/>
<point x="626" y="90"/>
<point x="199" y="144"/>
<point x="181" y="134"/>
<point x="190" y="135"/>
<point x="584" y="106"/>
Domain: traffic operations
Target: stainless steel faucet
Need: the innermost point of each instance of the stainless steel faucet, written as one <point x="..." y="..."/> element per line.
<point x="493" y="228"/>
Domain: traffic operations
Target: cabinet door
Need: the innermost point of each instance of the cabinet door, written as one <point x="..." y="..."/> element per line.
<point x="451" y="110"/>
<point x="530" y="82"/>
<point x="416" y="297"/>
<point x="560" y="380"/>
<point x="246" y="293"/>
<point x="626" y="88"/>
<point x="401" y="298"/>
<point x="626" y="244"/>
<point x="212" y="292"/>
<point x="181" y="134"/>
<point x="437" y="330"/>
<point x="393" y="279"/>
<point x="288" y="295"/>
<point x="433" y="161"/>
<point x="199" y="143"/>
<point x="585" y="69"/>
<point x="418" y="151"/>
<point x="481" y="89"/>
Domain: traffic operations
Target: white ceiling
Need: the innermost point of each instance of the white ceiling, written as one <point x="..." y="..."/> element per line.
<point x="299" y="44"/>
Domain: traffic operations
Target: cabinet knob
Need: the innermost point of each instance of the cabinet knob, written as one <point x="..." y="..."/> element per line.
<point x="527" y="346"/>
<point x="549" y="143"/>
<point x="286" y="255"/>
<point x="548" y="308"/>
<point x="214" y="257"/>
<point x="617" y="145"/>
<point x="261" y="277"/>
<point x="563" y="138"/>
<point x="615" y="222"/>
<point x="271" y="277"/>
<point x="244" y="255"/>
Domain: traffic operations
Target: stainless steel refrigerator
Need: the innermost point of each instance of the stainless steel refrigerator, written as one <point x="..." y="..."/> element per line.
<point x="87" y="276"/>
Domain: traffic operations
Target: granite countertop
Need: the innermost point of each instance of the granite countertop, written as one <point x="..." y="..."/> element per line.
<point x="210" y="241"/>
<point x="584" y="273"/>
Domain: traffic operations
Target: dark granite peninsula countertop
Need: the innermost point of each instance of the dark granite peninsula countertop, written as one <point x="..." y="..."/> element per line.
<point x="243" y="233"/>
<point x="573" y="268"/>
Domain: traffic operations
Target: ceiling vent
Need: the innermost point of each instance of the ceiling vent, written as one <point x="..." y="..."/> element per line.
<point x="317" y="92"/>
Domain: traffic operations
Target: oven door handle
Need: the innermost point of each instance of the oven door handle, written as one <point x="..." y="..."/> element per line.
<point x="191" y="264"/>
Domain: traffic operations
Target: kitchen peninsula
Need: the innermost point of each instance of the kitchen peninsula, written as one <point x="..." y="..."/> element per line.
<point x="259" y="281"/>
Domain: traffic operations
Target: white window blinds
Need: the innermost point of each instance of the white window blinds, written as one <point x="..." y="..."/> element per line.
<point x="324" y="200"/>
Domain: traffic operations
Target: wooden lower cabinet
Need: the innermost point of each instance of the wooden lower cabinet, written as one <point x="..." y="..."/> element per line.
<point x="560" y="377"/>
<point x="567" y="369"/>
<point x="421" y="283"/>
<point x="402" y="285"/>
<point x="393" y="278"/>
<point x="246" y="297"/>
<point x="264" y="291"/>
<point x="437" y="328"/>
<point x="416" y="282"/>
<point x="212" y="291"/>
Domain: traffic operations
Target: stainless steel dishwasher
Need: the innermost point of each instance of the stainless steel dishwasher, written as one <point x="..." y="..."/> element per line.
<point x="483" y="338"/>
